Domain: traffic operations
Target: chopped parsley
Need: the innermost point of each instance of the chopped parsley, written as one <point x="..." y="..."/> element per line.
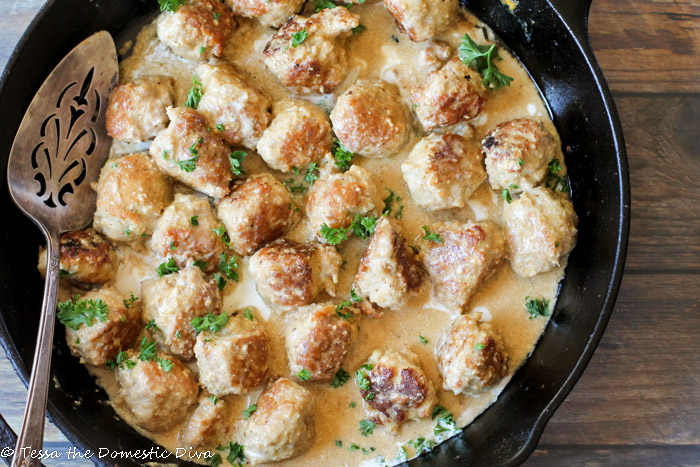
<point x="422" y="445"/>
<point x="432" y="236"/>
<point x="355" y="298"/>
<point x="152" y="325"/>
<point x="64" y="273"/>
<point x="220" y="281"/>
<point x="339" y="443"/>
<point x="213" y="399"/>
<point x="194" y="220"/>
<point x="352" y="405"/>
<point x="311" y="174"/>
<point x="299" y="37"/>
<point x="165" y="364"/>
<point x="74" y="312"/>
<point x="554" y="180"/>
<point x="479" y="346"/>
<point x="249" y="411"/>
<point x="361" y="378"/>
<point x="295" y="189"/>
<point x="342" y="305"/>
<point x="248" y="314"/>
<point x="221" y="232"/>
<point x="201" y="264"/>
<point x="323" y="4"/>
<point x="188" y="165"/>
<point x="304" y="375"/>
<point x="195" y="93"/>
<point x="359" y="29"/>
<point x="389" y="202"/>
<point x="216" y="16"/>
<point x="235" y="453"/>
<point x="170" y="5"/>
<point x="209" y="322"/>
<point x="201" y="51"/>
<point x="220" y="127"/>
<point x="537" y="307"/>
<point x="505" y="194"/>
<point x="341" y="377"/>
<point x="334" y="236"/>
<point x="423" y="339"/>
<point x="168" y="267"/>
<point x="445" y="421"/>
<point x="342" y="157"/>
<point x="482" y="57"/>
<point x="130" y="301"/>
<point x="120" y="362"/>
<point x="127" y="231"/>
<point x="236" y="159"/>
<point x="148" y="350"/>
<point x="229" y="267"/>
<point x="366" y="427"/>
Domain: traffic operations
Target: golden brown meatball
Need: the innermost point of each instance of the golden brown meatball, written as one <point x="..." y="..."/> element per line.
<point x="283" y="424"/>
<point x="234" y="359"/>
<point x="232" y="101"/>
<point x="465" y="256"/>
<point x="205" y="424"/>
<point x="517" y="153"/>
<point x="136" y="110"/>
<point x="185" y="232"/>
<point x="471" y="356"/>
<point x="131" y="195"/>
<point x="395" y="387"/>
<point x="318" y="64"/>
<point x="299" y="134"/>
<point x="337" y="199"/>
<point x="540" y="230"/>
<point x="114" y="329"/>
<point x="442" y="171"/>
<point x="389" y="272"/>
<point x="422" y="19"/>
<point x="288" y="273"/>
<point x="272" y="13"/>
<point x="86" y="258"/>
<point x="258" y="211"/>
<point x="158" y="392"/>
<point x="172" y="301"/>
<point x="197" y="30"/>
<point x="434" y="56"/>
<point x="193" y="153"/>
<point x="318" y="340"/>
<point x="370" y="119"/>
<point x="448" y="96"/>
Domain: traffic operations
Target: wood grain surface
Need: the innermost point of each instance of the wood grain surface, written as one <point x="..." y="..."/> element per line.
<point x="638" y="403"/>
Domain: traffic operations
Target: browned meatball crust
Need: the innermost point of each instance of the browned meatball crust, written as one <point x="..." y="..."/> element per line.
<point x="258" y="211"/>
<point x="86" y="258"/>
<point x="192" y="152"/>
<point x="318" y="340"/>
<point x="471" y="356"/>
<point x="136" y="110"/>
<point x="101" y="340"/>
<point x="319" y="63"/>
<point x="422" y="19"/>
<point x="395" y="387"/>
<point x="198" y="30"/>
<point x="448" y="96"/>
<point x="205" y="424"/>
<point x="370" y="119"/>
<point x="271" y="13"/>
<point x="467" y="255"/>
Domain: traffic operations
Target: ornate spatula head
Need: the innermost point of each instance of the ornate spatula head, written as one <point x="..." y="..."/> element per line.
<point x="59" y="150"/>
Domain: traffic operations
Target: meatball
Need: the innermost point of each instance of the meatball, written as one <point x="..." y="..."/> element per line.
<point x="283" y="424"/>
<point x="448" y="96"/>
<point x="86" y="258"/>
<point x="300" y="133"/>
<point x="442" y="171"/>
<point x="463" y="258"/>
<point x="288" y="273"/>
<point x="434" y="56"/>
<point x="540" y="230"/>
<point x="517" y="153"/>
<point x="258" y="211"/>
<point x="337" y="199"/>
<point x="232" y="102"/>
<point x="234" y="359"/>
<point x="158" y="392"/>
<point x="131" y="195"/>
<point x="172" y="301"/>
<point x="115" y="328"/>
<point x="318" y="340"/>
<point x="471" y="356"/>
<point x="186" y="233"/>
<point x="189" y="151"/>
<point x="271" y="13"/>
<point x="395" y="387"/>
<point x="422" y="19"/>
<point x="136" y="110"/>
<point x="389" y="272"/>
<point x="370" y="119"/>
<point x="318" y="63"/>
<point x="205" y="424"/>
<point x="198" y="30"/>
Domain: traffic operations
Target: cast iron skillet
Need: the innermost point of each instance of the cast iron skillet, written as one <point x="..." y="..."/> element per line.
<point x="550" y="38"/>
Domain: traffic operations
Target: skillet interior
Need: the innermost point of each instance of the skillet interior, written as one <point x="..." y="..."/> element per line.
<point x="555" y="50"/>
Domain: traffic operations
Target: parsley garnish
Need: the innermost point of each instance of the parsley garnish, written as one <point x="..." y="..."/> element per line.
<point x="362" y="227"/>
<point x="194" y="220"/>
<point x="537" y="307"/>
<point x="423" y="339"/>
<point x="339" y="443"/>
<point x="359" y="29"/>
<point x="170" y="5"/>
<point x="213" y="399"/>
<point x="355" y="298"/>
<point x="422" y="445"/>
<point x="235" y="453"/>
<point x="148" y="350"/>
<point x="64" y="273"/>
<point x="352" y="405"/>
<point x="248" y="314"/>
<point x="188" y="165"/>
<point x="361" y="378"/>
<point x="127" y="231"/>
<point x="299" y="37"/>
<point x="366" y="427"/>
<point x="130" y="301"/>
<point x="249" y="411"/>
<point x="304" y="375"/>
<point x="236" y="158"/>
<point x="221" y="232"/>
<point x="482" y="57"/>
<point x="505" y="194"/>
<point x="432" y="236"/>
<point x="74" y="312"/>
<point x="311" y="174"/>
<point x="121" y="361"/>
<point x="334" y="236"/>
<point x="168" y="267"/>
<point x="479" y="346"/>
<point x="165" y="364"/>
<point x="152" y="325"/>
<point x="216" y="16"/>
<point x="229" y="267"/>
<point x="220" y="127"/>
<point x="323" y="4"/>
<point x="554" y="181"/>
<point x="445" y="421"/>
<point x="388" y="204"/>
<point x="201" y="264"/>
<point x="195" y="94"/>
<point x="209" y="322"/>
<point x="341" y="377"/>
<point x="341" y="156"/>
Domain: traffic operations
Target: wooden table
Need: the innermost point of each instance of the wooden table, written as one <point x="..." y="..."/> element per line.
<point x="638" y="403"/>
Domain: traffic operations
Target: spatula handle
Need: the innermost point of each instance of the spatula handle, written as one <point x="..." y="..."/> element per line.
<point x="31" y="438"/>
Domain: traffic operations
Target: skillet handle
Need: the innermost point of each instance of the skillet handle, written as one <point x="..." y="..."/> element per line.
<point x="575" y="13"/>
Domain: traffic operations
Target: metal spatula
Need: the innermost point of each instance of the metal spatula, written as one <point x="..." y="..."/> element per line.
<point x="58" y="152"/>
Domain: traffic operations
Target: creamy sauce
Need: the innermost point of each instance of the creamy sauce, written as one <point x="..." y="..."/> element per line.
<point x="379" y="52"/>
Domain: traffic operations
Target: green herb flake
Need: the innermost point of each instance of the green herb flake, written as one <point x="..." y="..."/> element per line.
<point x="201" y="264"/>
<point x="213" y="399"/>
<point x="366" y="427"/>
<point x="247" y="313"/>
<point x="221" y="232"/>
<point x="304" y="375"/>
<point x="75" y="312"/>
<point x="249" y="411"/>
<point x="312" y="174"/>
<point x="165" y="364"/>
<point x="339" y="443"/>
<point x="352" y="405"/>
<point x="220" y="127"/>
<point x="423" y="339"/>
<point x="194" y="220"/>
<point x="229" y="267"/>
<point x="170" y="5"/>
<point x="299" y="37"/>
<point x="537" y="307"/>
<point x="168" y="267"/>
<point x="236" y="159"/>
<point x="479" y="346"/>
<point x="432" y="236"/>
<point x="341" y="377"/>
<point x="148" y="350"/>
<point x="210" y="322"/>
<point x="342" y="157"/>
<point x="64" y="273"/>
<point x="505" y="194"/>
<point x="194" y="95"/>
<point x="482" y="57"/>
